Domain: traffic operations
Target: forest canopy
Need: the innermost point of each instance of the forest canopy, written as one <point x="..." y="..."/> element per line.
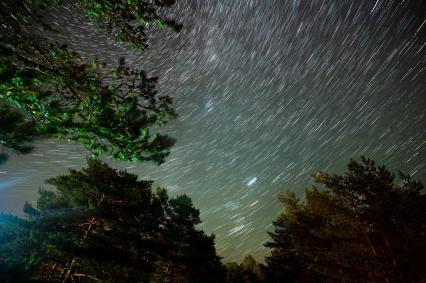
<point x="101" y="224"/>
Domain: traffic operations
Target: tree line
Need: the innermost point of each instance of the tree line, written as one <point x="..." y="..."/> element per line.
<point x="99" y="224"/>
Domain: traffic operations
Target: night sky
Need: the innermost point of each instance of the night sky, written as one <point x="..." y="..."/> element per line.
<point x="267" y="92"/>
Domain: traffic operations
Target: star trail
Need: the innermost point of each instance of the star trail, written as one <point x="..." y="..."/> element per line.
<point x="267" y="93"/>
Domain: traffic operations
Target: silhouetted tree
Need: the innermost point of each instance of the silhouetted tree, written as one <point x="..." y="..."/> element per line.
<point x="359" y="227"/>
<point x="98" y="224"/>
<point x="16" y="131"/>
<point x="192" y="257"/>
<point x="16" y="264"/>
<point x="234" y="273"/>
<point x="249" y="271"/>
<point x="102" y="224"/>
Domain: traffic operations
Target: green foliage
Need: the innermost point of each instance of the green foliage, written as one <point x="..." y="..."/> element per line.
<point x="98" y="223"/>
<point x="359" y="227"/>
<point x="14" y="265"/>
<point x="108" y="110"/>
<point x="103" y="224"/>
<point x="16" y="131"/>
<point x="127" y="20"/>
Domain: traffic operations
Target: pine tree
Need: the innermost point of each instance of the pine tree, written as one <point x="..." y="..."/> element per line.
<point x="248" y="271"/>
<point x="127" y="21"/>
<point x="98" y="224"/>
<point x="359" y="227"/>
<point x="14" y="265"/>
<point x="108" y="110"/>
<point x="284" y="264"/>
<point x="192" y="257"/>
<point x="16" y="131"/>
<point x="102" y="224"/>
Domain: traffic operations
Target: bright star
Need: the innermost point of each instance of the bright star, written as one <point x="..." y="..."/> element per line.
<point x="252" y="181"/>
